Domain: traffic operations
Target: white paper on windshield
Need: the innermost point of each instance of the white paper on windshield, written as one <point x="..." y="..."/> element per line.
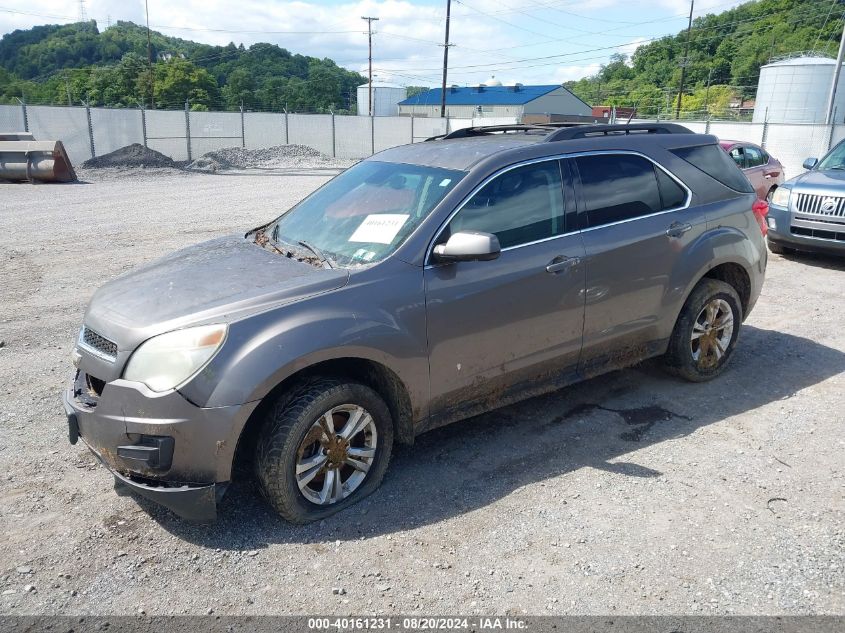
<point x="379" y="228"/>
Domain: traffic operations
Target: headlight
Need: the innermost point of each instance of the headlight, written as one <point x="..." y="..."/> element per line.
<point x="166" y="361"/>
<point x="780" y="198"/>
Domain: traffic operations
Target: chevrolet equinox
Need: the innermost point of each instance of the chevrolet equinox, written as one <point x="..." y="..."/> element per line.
<point x="426" y="284"/>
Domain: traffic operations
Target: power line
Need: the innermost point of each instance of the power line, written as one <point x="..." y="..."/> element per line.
<point x="643" y="41"/>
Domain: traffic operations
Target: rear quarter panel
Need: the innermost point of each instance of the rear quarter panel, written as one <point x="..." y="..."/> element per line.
<point x="732" y="236"/>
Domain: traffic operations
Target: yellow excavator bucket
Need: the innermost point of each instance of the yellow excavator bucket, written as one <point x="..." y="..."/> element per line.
<point x="22" y="158"/>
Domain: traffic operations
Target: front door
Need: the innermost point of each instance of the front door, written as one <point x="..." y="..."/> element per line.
<point x="502" y="330"/>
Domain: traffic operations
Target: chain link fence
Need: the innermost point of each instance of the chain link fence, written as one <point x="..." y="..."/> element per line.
<point x="186" y="135"/>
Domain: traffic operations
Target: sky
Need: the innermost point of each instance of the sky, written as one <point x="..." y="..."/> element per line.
<point x="525" y="41"/>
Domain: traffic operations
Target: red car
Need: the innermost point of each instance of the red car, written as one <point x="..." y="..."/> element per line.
<point x="764" y="171"/>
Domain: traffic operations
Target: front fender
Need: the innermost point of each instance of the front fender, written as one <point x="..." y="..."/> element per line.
<point x="363" y="320"/>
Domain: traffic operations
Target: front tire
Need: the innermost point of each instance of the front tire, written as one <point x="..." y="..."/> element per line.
<point x="323" y="448"/>
<point x="706" y="331"/>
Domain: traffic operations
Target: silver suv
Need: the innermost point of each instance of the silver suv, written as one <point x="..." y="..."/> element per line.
<point x="426" y="284"/>
<point x="808" y="212"/>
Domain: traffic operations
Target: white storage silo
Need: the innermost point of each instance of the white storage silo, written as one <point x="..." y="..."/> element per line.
<point x="386" y="98"/>
<point x="796" y="91"/>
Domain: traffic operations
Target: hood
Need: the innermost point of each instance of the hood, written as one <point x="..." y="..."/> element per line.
<point x="216" y="281"/>
<point x="823" y="181"/>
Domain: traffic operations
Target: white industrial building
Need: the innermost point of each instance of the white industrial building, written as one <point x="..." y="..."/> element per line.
<point x="796" y="90"/>
<point x="385" y="98"/>
<point x="492" y="99"/>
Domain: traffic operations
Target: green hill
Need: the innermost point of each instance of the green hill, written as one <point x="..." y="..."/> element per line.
<point x="68" y="63"/>
<point x="727" y="48"/>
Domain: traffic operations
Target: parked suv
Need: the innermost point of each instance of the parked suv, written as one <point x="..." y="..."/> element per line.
<point x="426" y="284"/>
<point x="808" y="211"/>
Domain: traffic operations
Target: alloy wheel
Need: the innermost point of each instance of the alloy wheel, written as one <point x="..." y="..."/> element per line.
<point x="712" y="333"/>
<point x="336" y="453"/>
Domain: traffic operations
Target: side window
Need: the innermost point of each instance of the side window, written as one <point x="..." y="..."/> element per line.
<point x="738" y="155"/>
<point x="713" y="161"/>
<point x="617" y="187"/>
<point x="754" y="157"/>
<point x="671" y="193"/>
<point x="522" y="205"/>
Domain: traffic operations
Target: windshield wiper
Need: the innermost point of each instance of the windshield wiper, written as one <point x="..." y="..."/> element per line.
<point x="323" y="258"/>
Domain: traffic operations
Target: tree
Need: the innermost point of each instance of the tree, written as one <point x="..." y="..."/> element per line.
<point x="179" y="80"/>
<point x="239" y="89"/>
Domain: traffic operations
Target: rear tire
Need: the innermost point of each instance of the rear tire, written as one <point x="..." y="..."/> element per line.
<point x="307" y="469"/>
<point x="706" y="331"/>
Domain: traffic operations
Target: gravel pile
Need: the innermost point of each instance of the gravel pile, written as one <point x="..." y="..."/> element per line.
<point x="278" y="157"/>
<point x="135" y="155"/>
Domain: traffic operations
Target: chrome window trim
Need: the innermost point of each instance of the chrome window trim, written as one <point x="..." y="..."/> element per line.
<point x="545" y="159"/>
<point x="81" y="344"/>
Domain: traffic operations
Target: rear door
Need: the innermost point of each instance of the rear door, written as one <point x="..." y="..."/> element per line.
<point x="503" y="329"/>
<point x="636" y="224"/>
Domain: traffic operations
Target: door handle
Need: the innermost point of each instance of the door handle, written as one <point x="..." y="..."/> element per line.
<point x="561" y="263"/>
<point x="768" y="175"/>
<point x="676" y="229"/>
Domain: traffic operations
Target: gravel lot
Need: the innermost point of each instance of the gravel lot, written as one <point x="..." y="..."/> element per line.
<point x="633" y="493"/>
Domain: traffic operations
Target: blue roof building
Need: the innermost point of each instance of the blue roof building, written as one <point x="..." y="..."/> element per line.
<point x="497" y="101"/>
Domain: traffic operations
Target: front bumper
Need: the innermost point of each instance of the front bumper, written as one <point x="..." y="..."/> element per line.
<point x="818" y="235"/>
<point x="158" y="445"/>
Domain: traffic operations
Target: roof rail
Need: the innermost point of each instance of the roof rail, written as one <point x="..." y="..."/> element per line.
<point x="585" y="131"/>
<point x="482" y="130"/>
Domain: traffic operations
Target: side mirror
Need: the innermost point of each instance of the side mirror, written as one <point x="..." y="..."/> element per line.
<point x="468" y="246"/>
<point x="811" y="162"/>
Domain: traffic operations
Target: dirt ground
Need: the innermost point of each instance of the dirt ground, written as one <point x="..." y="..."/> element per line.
<point x="633" y="493"/>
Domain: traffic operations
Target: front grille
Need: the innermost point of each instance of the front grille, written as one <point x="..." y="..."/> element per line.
<point x="97" y="343"/>
<point x="839" y="236"/>
<point x="828" y="206"/>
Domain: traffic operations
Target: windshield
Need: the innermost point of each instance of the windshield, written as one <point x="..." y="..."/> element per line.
<point x="365" y="213"/>
<point x="834" y="160"/>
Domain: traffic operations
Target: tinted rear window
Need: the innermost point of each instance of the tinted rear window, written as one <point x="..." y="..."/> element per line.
<point x="714" y="162"/>
<point x="617" y="187"/>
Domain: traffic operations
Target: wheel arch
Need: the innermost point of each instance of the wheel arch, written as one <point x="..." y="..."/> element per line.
<point x="736" y="276"/>
<point x="374" y="374"/>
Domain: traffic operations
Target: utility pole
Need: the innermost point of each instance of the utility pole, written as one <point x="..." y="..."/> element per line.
<point x="707" y="94"/>
<point x="150" y="57"/>
<point x="446" y="46"/>
<point x="833" y="85"/>
<point x="370" y="38"/>
<point x="684" y="63"/>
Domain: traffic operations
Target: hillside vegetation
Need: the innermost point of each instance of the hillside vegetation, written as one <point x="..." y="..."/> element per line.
<point x="726" y="51"/>
<point x="70" y="63"/>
